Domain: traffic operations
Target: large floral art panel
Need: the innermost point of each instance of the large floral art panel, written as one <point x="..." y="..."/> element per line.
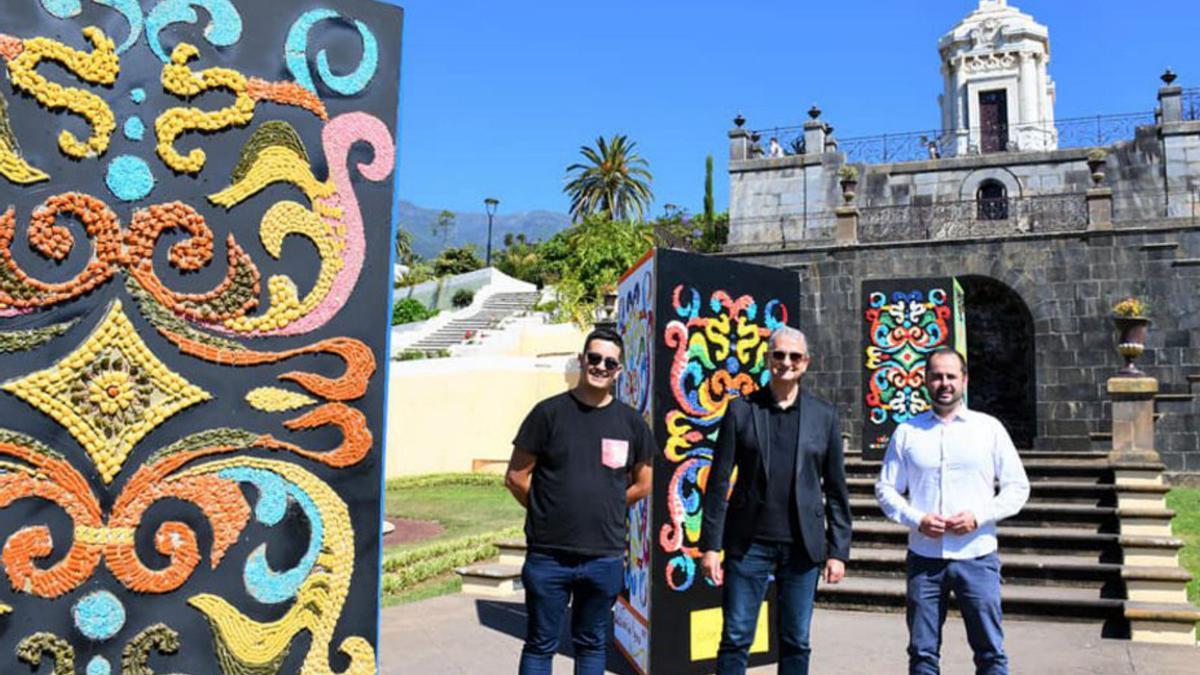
<point x="904" y="320"/>
<point x="191" y="194"/>
<point x="707" y="322"/>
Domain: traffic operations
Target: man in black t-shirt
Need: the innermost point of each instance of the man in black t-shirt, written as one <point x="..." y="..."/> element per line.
<point x="579" y="460"/>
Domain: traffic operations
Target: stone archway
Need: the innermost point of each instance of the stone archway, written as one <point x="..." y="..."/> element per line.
<point x="1001" y="352"/>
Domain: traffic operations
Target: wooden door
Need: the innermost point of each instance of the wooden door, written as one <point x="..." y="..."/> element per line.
<point x="993" y="120"/>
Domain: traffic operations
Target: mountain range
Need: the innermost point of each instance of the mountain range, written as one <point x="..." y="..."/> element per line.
<point x="471" y="228"/>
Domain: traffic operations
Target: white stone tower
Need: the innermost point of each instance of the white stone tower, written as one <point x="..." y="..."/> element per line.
<point x="998" y="94"/>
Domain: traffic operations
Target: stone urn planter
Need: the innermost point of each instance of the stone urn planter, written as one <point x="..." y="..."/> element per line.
<point x="1131" y="341"/>
<point x="848" y="188"/>
<point x="848" y="177"/>
<point x="1097" y="159"/>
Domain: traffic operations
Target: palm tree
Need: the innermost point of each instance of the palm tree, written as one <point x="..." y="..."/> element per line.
<point x="404" y="245"/>
<point x="614" y="180"/>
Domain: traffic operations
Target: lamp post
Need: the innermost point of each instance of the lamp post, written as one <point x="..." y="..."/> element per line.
<point x="490" y="204"/>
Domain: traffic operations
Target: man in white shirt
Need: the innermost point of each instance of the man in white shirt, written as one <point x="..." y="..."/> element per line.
<point x="948" y="461"/>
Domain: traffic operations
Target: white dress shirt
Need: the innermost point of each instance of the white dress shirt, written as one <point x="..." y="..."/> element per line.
<point x="947" y="467"/>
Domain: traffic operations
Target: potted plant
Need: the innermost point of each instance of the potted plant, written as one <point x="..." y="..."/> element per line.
<point x="1097" y="158"/>
<point x="848" y="176"/>
<point x="1131" y="317"/>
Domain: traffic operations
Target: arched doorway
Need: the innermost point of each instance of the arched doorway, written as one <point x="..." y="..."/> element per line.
<point x="1000" y="353"/>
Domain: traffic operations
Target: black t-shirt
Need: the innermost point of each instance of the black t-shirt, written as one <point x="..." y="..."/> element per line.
<point x="584" y="457"/>
<point x="778" y="520"/>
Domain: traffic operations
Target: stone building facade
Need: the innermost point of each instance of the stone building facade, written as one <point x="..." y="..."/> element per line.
<point x="1044" y="237"/>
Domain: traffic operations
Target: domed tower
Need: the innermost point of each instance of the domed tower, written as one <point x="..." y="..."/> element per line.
<point x="998" y="94"/>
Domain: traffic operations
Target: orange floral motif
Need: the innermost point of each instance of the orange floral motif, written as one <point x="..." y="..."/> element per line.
<point x="235" y="295"/>
<point x="360" y="363"/>
<point x="286" y="93"/>
<point x="19" y="291"/>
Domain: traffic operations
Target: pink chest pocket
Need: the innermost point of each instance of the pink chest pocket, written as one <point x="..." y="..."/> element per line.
<point x="614" y="453"/>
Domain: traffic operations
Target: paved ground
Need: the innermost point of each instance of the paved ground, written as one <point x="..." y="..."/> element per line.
<point x="465" y="634"/>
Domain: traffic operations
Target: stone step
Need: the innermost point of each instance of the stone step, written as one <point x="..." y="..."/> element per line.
<point x="1163" y="623"/>
<point x="1174" y="398"/>
<point x="1052" y="490"/>
<point x="1029" y="455"/>
<point x="1160" y="246"/>
<point x="512" y="551"/>
<point x="1186" y="262"/>
<point x="1107" y="546"/>
<point x="1077" y="469"/>
<point x="1045" y="514"/>
<point x="1194" y="379"/>
<point x="490" y="579"/>
<point x="1063" y="603"/>
<point x="1060" y="569"/>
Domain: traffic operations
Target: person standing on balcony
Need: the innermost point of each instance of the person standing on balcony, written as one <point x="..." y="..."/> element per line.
<point x="787" y="447"/>
<point x="775" y="149"/>
<point x="579" y="460"/>
<point x="949" y="460"/>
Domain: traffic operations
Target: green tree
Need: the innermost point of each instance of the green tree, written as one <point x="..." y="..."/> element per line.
<point x="444" y="226"/>
<point x="521" y="259"/>
<point x="708" y="191"/>
<point x="457" y="260"/>
<point x="613" y="182"/>
<point x="404" y="245"/>
<point x="588" y="258"/>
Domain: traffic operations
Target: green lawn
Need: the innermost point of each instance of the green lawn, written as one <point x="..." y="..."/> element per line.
<point x="430" y="588"/>
<point x="464" y="510"/>
<point x="1186" y="525"/>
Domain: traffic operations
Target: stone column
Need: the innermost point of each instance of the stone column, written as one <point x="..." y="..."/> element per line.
<point x="847" y="224"/>
<point x="1170" y="101"/>
<point x="1136" y="464"/>
<point x="814" y="137"/>
<point x="739" y="144"/>
<point x="1100" y="209"/>
<point x="1027" y="85"/>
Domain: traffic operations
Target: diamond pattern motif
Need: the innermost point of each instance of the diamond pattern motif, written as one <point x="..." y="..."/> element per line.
<point x="108" y="393"/>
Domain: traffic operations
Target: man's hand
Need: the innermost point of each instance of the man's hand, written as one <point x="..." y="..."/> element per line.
<point x="835" y="570"/>
<point x="962" y="522"/>
<point x="710" y="565"/>
<point x="933" y="526"/>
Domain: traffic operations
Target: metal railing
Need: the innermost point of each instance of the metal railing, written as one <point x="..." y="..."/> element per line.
<point x="1075" y="132"/>
<point x="1191" y="104"/>
<point x="969" y="219"/>
<point x="789" y="230"/>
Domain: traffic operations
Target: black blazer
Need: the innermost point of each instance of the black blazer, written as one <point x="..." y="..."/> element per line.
<point x="744" y="441"/>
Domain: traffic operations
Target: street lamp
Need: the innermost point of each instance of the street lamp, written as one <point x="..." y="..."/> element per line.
<point x="490" y="203"/>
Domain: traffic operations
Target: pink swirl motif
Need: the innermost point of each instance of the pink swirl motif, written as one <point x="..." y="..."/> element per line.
<point x="338" y="137"/>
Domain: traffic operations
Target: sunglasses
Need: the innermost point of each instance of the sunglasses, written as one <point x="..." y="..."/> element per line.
<point x="796" y="357"/>
<point x="594" y="359"/>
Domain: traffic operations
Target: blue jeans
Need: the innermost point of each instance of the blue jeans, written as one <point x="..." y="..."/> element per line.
<point x="746" y="584"/>
<point x="591" y="584"/>
<point x="976" y="586"/>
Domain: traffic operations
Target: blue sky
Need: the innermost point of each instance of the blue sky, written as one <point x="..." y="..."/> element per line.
<point x="497" y="97"/>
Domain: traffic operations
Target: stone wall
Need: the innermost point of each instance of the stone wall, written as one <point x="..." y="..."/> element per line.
<point x="1068" y="283"/>
<point x="1154" y="172"/>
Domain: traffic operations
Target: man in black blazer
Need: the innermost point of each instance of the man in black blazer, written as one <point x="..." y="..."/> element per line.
<point x="788" y="515"/>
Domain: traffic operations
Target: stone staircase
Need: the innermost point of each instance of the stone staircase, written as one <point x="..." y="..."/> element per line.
<point x="1078" y="550"/>
<point x="492" y="312"/>
<point x="1065" y="556"/>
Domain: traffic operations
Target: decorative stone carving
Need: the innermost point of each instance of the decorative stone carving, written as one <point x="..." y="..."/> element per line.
<point x="990" y="62"/>
<point x="988" y="34"/>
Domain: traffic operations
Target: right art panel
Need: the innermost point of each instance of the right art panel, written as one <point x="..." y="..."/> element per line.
<point x="903" y="321"/>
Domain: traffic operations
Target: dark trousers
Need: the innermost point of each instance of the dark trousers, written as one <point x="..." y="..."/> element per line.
<point x="746" y="584"/>
<point x="976" y="586"/>
<point x="591" y="585"/>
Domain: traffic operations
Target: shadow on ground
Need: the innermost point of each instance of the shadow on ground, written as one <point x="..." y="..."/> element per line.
<point x="509" y="618"/>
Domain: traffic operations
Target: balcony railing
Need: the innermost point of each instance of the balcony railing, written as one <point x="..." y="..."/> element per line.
<point x="970" y="219"/>
<point x="1076" y="132"/>
<point x="1191" y="104"/>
